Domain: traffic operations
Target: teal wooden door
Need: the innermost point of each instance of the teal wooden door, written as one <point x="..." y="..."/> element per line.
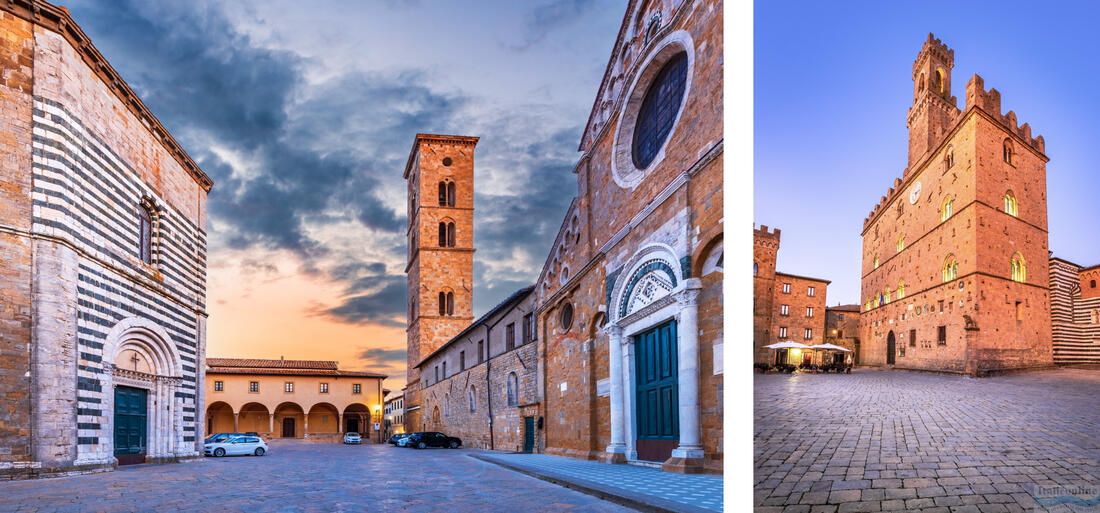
<point x="131" y="413"/>
<point x="528" y="434"/>
<point x="656" y="392"/>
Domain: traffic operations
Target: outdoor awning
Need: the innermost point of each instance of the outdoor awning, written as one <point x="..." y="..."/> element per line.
<point x="831" y="347"/>
<point x="787" y="345"/>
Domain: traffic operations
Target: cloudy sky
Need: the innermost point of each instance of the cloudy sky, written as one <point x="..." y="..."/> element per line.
<point x="832" y="84"/>
<point x="303" y="113"/>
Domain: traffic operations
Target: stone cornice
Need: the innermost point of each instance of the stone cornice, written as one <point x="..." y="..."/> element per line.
<point x="452" y="139"/>
<point x="57" y="19"/>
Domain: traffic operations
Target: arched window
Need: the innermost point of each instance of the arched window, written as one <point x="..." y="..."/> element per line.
<point x="473" y="400"/>
<point x="920" y="83"/>
<point x="451" y="194"/>
<point x="660" y="106"/>
<point x="755" y="269"/>
<point x="442" y="303"/>
<point x="886" y="296"/>
<point x="145" y="234"/>
<point x="450" y="235"/>
<point x="950" y="268"/>
<point x="1019" y="268"/>
<point x="450" y="303"/>
<point x="901" y="242"/>
<point x="442" y="234"/>
<point x="876" y="262"/>
<point x="1007" y="151"/>
<point x="949" y="159"/>
<point x="442" y="194"/>
<point x="446" y="234"/>
<point x="941" y="80"/>
<point x="1012" y="208"/>
<point x="513" y="389"/>
<point x="945" y="210"/>
<point x="901" y="289"/>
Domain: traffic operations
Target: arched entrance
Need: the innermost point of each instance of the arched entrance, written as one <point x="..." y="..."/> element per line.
<point x="254" y="418"/>
<point x="356" y="417"/>
<point x="891" y="348"/>
<point x="289" y="421"/>
<point x="219" y="418"/>
<point x="323" y="418"/>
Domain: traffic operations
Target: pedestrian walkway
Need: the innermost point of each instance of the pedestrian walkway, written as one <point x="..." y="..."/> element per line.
<point x="643" y="488"/>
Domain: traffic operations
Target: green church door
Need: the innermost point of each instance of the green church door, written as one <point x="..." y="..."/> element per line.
<point x="131" y="412"/>
<point x="656" y="393"/>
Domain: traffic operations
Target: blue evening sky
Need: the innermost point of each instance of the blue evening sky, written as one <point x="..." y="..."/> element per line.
<point x="832" y="82"/>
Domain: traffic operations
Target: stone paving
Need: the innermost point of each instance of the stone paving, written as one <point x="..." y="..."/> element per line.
<point x="298" y="476"/>
<point x="697" y="491"/>
<point x="879" y="440"/>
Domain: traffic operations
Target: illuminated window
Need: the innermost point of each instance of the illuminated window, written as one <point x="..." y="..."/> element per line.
<point x="782" y="332"/>
<point x="901" y="289"/>
<point x="901" y="242"/>
<point x="288" y="386"/>
<point x="784" y="310"/>
<point x="876" y="262"/>
<point x="808" y="334"/>
<point x="786" y="288"/>
<point x="945" y="210"/>
<point x="810" y="291"/>
<point x="1011" y="206"/>
<point x="324" y="388"/>
<point x="950" y="268"/>
<point x="809" y="311"/>
<point x="1019" y="268"/>
<point x="886" y="296"/>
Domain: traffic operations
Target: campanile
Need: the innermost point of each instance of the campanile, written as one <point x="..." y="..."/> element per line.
<point x="440" y="177"/>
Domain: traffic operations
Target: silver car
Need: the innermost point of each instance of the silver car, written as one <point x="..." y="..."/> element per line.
<point x="353" y="438"/>
<point x="239" y="445"/>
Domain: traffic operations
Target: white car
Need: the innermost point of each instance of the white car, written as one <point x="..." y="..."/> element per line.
<point x="240" y="445"/>
<point x="352" y="438"/>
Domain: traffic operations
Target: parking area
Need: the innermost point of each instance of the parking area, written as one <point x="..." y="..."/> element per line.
<point x="884" y="440"/>
<point x="302" y="476"/>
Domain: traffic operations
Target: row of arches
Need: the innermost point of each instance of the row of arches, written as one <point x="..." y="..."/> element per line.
<point x="287" y="420"/>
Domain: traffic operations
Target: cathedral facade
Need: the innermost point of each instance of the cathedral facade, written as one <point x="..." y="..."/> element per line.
<point x="103" y="235"/>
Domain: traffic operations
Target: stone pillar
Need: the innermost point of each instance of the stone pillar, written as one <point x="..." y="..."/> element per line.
<point x="236" y="428"/>
<point x="616" y="452"/>
<point x="688" y="457"/>
<point x="340" y="423"/>
<point x="271" y="424"/>
<point x="305" y="426"/>
<point x="54" y="356"/>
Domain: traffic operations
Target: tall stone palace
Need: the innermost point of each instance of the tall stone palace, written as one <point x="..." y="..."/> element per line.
<point x="103" y="239"/>
<point x="615" y="352"/>
<point x="955" y="256"/>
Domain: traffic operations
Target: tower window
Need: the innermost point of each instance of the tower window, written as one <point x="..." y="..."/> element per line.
<point x="145" y="234"/>
<point x="945" y="211"/>
<point x="1012" y="208"/>
<point x="660" y="106"/>
<point x="450" y="235"/>
<point x="949" y="159"/>
<point x="1018" y="268"/>
<point x="446" y="234"/>
<point x="442" y="194"/>
<point x="1006" y="153"/>
<point x="447" y="161"/>
<point x="451" y="194"/>
<point x="755" y="268"/>
<point x="450" y="303"/>
<point x="442" y="303"/>
<point x="950" y="268"/>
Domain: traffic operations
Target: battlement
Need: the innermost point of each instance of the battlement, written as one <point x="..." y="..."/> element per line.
<point x="761" y="231"/>
<point x="935" y="48"/>
<point x="990" y="102"/>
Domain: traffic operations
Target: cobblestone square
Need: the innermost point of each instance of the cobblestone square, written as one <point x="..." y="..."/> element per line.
<point x="308" y="477"/>
<point x="891" y="440"/>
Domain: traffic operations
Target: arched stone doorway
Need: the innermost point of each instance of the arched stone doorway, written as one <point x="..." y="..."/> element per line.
<point x="356" y="418"/>
<point x="323" y="418"/>
<point x="891" y="348"/>
<point x="254" y="418"/>
<point x="144" y="374"/>
<point x="289" y="421"/>
<point x="219" y="418"/>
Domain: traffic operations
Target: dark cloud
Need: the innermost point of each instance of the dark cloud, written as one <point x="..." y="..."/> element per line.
<point x="384" y="356"/>
<point x="289" y="158"/>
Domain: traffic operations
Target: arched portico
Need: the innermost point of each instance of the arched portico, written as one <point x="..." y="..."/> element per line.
<point x="254" y="418"/>
<point x="289" y="421"/>
<point x="323" y="418"/>
<point x="356" y="418"/>
<point x="220" y="418"/>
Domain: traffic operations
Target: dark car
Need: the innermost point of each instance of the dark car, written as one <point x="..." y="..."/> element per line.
<point x="432" y="439"/>
<point x="397" y="438"/>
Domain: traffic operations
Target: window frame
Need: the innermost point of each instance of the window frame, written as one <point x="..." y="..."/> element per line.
<point x="253" y="387"/>
<point x="219" y="386"/>
<point x="782" y="331"/>
<point x="322" y="388"/>
<point x="659" y="110"/>
<point x="288" y="387"/>
<point x="356" y="388"/>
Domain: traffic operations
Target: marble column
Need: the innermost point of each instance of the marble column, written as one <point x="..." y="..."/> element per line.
<point x="688" y="456"/>
<point x="616" y="451"/>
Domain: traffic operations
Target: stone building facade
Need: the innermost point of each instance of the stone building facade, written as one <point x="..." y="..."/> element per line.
<point x="481" y="385"/>
<point x="842" y="328"/>
<point x="786" y="307"/>
<point x="393" y="412"/>
<point x="306" y="399"/>
<point x="440" y="176"/>
<point x="103" y="235"/>
<point x="630" y="297"/>
<point x="1075" y="312"/>
<point x="955" y="255"/>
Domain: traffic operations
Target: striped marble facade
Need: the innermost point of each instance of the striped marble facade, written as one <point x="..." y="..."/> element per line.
<point x="1073" y="319"/>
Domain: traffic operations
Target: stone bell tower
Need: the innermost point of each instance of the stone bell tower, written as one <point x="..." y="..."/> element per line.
<point x="440" y="176"/>
<point x="934" y="109"/>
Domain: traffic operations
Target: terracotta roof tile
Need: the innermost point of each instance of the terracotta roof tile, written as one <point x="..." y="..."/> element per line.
<point x="273" y="364"/>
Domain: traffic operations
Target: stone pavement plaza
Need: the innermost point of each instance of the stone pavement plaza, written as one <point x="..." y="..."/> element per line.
<point x="299" y="476"/>
<point x="879" y="440"/>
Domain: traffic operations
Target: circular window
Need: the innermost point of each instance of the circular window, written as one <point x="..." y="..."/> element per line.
<point x="567" y="316"/>
<point x="660" y="107"/>
<point x="447" y="161"/>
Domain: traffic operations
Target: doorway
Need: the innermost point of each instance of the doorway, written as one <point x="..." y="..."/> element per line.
<point x="657" y="392"/>
<point x="288" y="427"/>
<point x="528" y="434"/>
<point x="131" y="423"/>
<point x="352" y="425"/>
<point x="891" y="348"/>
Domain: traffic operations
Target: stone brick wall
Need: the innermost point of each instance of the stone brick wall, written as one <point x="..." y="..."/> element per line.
<point x="765" y="249"/>
<point x="798" y="301"/>
<point x="842" y="328"/>
<point x="1075" y="312"/>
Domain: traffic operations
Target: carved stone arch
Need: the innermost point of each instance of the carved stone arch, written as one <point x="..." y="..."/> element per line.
<point x="648" y="276"/>
<point x="151" y="338"/>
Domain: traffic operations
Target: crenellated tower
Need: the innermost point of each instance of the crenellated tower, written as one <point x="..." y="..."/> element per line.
<point x="934" y="110"/>
<point x="440" y="176"/>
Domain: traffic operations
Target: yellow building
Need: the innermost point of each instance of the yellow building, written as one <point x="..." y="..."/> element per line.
<point x="291" y="399"/>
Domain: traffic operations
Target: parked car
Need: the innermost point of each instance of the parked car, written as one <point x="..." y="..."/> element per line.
<point x="397" y="438"/>
<point x="238" y="445"/>
<point x="432" y="439"/>
<point x="352" y="437"/>
<point x="404" y="441"/>
<point x="221" y="437"/>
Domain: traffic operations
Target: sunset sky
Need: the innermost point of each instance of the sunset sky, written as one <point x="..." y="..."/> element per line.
<point x="303" y="114"/>
<point x="832" y="83"/>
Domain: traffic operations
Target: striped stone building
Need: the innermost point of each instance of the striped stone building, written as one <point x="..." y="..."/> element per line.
<point x="102" y="231"/>
<point x="1075" y="311"/>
